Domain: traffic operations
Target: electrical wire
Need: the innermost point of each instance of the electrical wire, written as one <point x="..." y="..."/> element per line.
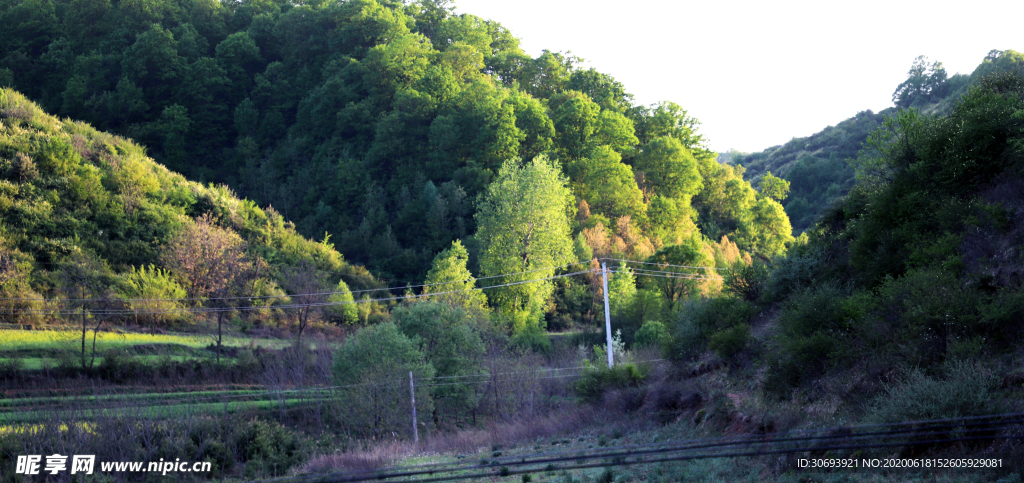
<point x="661" y="264"/>
<point x="259" y="297"/>
<point x="285" y="306"/>
<point x="621" y="454"/>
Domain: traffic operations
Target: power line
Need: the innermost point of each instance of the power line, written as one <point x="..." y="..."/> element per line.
<point x="766" y="444"/>
<point x="284" y="306"/>
<point x="657" y="273"/>
<point x="259" y="297"/>
<point x="661" y="264"/>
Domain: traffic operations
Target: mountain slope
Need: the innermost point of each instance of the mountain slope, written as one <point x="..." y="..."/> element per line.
<point x="67" y="189"/>
<point x="817" y="165"/>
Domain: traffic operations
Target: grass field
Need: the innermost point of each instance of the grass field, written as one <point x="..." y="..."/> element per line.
<point x="157" y="411"/>
<point x="29" y="341"/>
<point x="37" y="363"/>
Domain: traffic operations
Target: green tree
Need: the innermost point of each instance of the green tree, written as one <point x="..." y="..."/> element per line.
<point x="774" y="188"/>
<point x="154" y="292"/>
<point x="925" y="83"/>
<point x="668" y="169"/>
<point x="445" y="335"/>
<point x="449" y="274"/>
<point x="682" y="282"/>
<point x="766" y="229"/>
<point x="374" y="365"/>
<point x="607" y="184"/>
<point x="576" y="119"/>
<point x="621" y="292"/>
<point x="523" y="225"/>
<point x="670" y="119"/>
<point x="343" y="310"/>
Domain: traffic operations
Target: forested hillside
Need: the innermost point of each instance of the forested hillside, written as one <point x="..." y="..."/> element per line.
<point x="917" y="271"/>
<point x="817" y="166"/>
<point x="378" y="123"/>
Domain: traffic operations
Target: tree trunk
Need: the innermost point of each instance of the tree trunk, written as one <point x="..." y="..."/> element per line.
<point x="92" y="361"/>
<point x="220" y="319"/>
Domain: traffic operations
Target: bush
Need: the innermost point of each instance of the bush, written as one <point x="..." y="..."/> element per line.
<point x="268" y="449"/>
<point x="730" y="341"/>
<point x="814" y="328"/>
<point x="747" y="281"/>
<point x="699" y="319"/>
<point x="791" y="274"/>
<point x="153" y="291"/>
<point x="652" y="334"/>
<point x="119" y="367"/>
<point x="714" y="314"/>
<point x="375" y="364"/>
<point x="10" y="368"/>
<point x="595" y="381"/>
<point x="967" y="389"/>
<point x="930" y="309"/>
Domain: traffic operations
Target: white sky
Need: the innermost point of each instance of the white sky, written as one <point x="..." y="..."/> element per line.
<point x="756" y="74"/>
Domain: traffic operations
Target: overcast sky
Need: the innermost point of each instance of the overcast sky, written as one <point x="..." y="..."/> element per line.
<point x="757" y="74"/>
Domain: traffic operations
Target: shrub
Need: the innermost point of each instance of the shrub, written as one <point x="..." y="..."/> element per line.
<point x="652" y="334"/>
<point x="928" y="309"/>
<point x="729" y="341"/>
<point x="747" y="281"/>
<point x="375" y="365"/>
<point x="967" y="389"/>
<point x="346" y="311"/>
<point x="791" y="274"/>
<point x="813" y="329"/>
<point x="596" y="380"/>
<point x="699" y="319"/>
<point x="267" y="448"/>
<point x="10" y="368"/>
<point x="152" y="288"/>
<point x="119" y="367"/>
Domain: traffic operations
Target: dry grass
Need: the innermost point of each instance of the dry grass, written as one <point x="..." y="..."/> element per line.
<point x="467" y="441"/>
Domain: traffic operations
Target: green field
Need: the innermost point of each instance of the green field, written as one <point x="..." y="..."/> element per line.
<point x="152" y="411"/>
<point x="48" y="341"/>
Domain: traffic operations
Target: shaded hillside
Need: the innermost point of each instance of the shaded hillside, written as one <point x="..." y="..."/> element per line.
<point x="817" y="165"/>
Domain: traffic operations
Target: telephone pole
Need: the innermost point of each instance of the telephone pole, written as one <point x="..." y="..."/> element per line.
<point x="412" y="394"/>
<point x="607" y="315"/>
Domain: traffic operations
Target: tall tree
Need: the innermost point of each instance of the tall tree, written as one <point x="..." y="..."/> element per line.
<point x="212" y="263"/>
<point x="308" y="287"/>
<point x="523" y="225"/>
<point x="449" y="274"/>
<point x="669" y="169"/>
<point x="445" y="335"/>
<point x="84" y="282"/>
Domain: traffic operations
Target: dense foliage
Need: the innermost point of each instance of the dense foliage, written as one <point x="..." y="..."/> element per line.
<point x="817" y="165"/>
<point x="913" y="272"/>
<point x="378" y="122"/>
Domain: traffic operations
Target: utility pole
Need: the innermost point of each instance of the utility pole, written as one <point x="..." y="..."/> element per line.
<point x="607" y="315"/>
<point x="412" y="394"/>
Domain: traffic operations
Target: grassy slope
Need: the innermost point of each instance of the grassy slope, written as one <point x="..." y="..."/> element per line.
<point x="88" y="190"/>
